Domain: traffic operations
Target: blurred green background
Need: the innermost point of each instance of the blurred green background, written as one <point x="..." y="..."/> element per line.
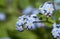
<point x="12" y="9"/>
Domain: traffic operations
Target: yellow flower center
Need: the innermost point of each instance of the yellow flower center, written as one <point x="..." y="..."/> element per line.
<point x="48" y="8"/>
<point x="55" y="33"/>
<point x="29" y="24"/>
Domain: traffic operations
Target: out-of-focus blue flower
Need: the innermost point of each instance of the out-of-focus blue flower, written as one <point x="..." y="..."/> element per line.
<point x="27" y="10"/>
<point x="39" y="25"/>
<point x="57" y="4"/>
<point x="35" y="11"/>
<point x="2" y="17"/>
<point x="59" y="18"/>
<point x="54" y="25"/>
<point x="58" y="26"/>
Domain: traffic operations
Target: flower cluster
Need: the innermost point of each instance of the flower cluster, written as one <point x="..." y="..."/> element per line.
<point x="56" y="30"/>
<point x="28" y="22"/>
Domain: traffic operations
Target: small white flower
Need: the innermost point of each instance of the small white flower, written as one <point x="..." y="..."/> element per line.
<point x="41" y="10"/>
<point x="56" y="30"/>
<point x="19" y="25"/>
<point x="19" y="28"/>
<point x="30" y="25"/>
<point x="21" y="21"/>
<point x="23" y="18"/>
<point x="47" y="8"/>
<point x="55" y="33"/>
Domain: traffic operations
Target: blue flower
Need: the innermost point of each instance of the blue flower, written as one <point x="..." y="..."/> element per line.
<point x="35" y="11"/>
<point x="35" y="18"/>
<point x="19" y="25"/>
<point x="55" y="32"/>
<point x="39" y="25"/>
<point x="30" y="25"/>
<point x="19" y="28"/>
<point x="23" y="18"/>
<point x="47" y="8"/>
<point x="41" y="10"/>
<point x="57" y="4"/>
<point x="27" y="10"/>
<point x="21" y="21"/>
<point x="54" y="25"/>
<point x="2" y="17"/>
